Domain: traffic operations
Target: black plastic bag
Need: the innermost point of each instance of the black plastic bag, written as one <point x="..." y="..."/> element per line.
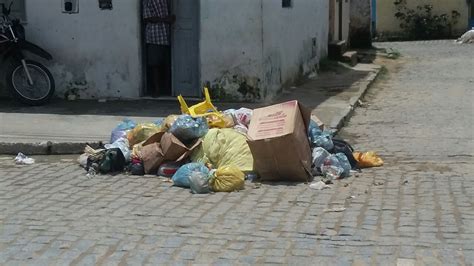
<point x="112" y="161"/>
<point x="341" y="146"/>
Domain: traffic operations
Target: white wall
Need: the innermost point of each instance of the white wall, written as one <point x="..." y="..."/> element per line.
<point x="100" y="48"/>
<point x="231" y="44"/>
<point x="249" y="48"/>
<point x="288" y="39"/>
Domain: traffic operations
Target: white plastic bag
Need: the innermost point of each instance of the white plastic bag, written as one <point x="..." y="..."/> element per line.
<point x="467" y="37"/>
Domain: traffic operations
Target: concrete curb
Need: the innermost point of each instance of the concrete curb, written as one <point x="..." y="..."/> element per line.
<point x="46" y="148"/>
<point x="58" y="148"/>
<point x="344" y="116"/>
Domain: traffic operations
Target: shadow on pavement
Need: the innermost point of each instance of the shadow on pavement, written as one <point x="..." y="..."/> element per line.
<point x="332" y="81"/>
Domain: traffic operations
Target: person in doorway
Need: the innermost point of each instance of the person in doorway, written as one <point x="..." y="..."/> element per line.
<point x="157" y="19"/>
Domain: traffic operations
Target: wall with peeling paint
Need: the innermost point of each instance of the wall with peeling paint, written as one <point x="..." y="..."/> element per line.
<point x="231" y="46"/>
<point x="251" y="48"/>
<point x="293" y="38"/>
<point x="95" y="51"/>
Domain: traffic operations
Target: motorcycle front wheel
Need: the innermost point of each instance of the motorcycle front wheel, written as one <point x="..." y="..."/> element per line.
<point x="38" y="93"/>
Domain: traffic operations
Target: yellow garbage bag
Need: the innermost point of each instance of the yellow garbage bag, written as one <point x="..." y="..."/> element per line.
<point x="227" y="179"/>
<point x="221" y="147"/>
<point x="219" y="120"/>
<point x="368" y="159"/>
<point x="142" y="132"/>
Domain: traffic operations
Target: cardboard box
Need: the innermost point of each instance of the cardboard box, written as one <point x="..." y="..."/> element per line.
<point x="164" y="147"/>
<point x="152" y="157"/>
<point x="278" y="140"/>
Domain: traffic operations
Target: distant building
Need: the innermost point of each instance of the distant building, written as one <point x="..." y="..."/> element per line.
<point x="387" y="23"/>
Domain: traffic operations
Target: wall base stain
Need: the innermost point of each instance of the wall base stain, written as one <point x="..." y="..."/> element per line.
<point x="233" y="87"/>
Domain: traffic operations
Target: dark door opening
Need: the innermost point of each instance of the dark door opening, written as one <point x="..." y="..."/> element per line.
<point x="157" y="45"/>
<point x="182" y="57"/>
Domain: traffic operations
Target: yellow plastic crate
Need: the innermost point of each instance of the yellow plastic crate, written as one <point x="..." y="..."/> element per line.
<point x="201" y="109"/>
<point x="204" y="109"/>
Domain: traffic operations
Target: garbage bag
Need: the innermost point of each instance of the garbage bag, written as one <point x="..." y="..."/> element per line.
<point x="168" y="122"/>
<point x="336" y="166"/>
<point x="368" y="159"/>
<point x="219" y="120"/>
<point x="243" y="116"/>
<point x="181" y="177"/>
<point x="221" y="147"/>
<point x="227" y="179"/>
<point x="346" y="165"/>
<point x="332" y="172"/>
<point x="342" y="146"/>
<point x="112" y="161"/>
<point x="142" y="132"/>
<point x="199" y="183"/>
<point x="168" y="169"/>
<point x="187" y="128"/>
<point x="319" y="138"/>
<point x="319" y="155"/>
<point x="123" y="145"/>
<point x="121" y="130"/>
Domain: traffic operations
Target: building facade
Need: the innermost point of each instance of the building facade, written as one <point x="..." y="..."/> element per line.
<point x="387" y="23"/>
<point x="242" y="50"/>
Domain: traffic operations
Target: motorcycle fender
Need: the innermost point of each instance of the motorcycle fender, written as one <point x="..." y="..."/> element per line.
<point x="35" y="49"/>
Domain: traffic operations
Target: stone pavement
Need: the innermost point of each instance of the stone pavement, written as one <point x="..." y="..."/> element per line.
<point x="416" y="210"/>
<point x="66" y="127"/>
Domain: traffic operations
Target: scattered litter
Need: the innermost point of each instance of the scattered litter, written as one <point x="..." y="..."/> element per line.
<point x="22" y="159"/>
<point x="319" y="185"/>
<point x="367" y="159"/>
<point x="337" y="209"/>
<point x="405" y="182"/>
<point x="351" y="197"/>
<point x="378" y="183"/>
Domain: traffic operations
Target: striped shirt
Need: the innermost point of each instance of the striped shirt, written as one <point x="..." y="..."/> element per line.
<point x="156" y="33"/>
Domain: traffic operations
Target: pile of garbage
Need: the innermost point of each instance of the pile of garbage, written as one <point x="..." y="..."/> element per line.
<point x="206" y="150"/>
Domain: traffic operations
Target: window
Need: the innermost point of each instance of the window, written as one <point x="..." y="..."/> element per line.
<point x="286" y="3"/>
<point x="18" y="8"/>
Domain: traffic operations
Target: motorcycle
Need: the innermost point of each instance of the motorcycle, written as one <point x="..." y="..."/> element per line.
<point x="28" y="81"/>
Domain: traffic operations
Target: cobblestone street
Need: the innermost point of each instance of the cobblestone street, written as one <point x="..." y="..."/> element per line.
<point x="416" y="209"/>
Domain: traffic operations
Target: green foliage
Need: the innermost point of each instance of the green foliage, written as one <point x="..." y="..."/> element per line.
<point x="421" y="24"/>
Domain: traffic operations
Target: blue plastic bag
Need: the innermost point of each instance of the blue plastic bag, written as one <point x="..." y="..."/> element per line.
<point x="346" y="165"/>
<point x="336" y="166"/>
<point x="159" y="121"/>
<point x="181" y="177"/>
<point x="121" y="130"/>
<point x="187" y="128"/>
<point x="318" y="138"/>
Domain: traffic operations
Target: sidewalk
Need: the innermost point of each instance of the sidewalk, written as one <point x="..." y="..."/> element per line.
<point x="66" y="127"/>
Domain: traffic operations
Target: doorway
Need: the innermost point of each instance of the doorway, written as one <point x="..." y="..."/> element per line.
<point x="184" y="53"/>
<point x="471" y="15"/>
